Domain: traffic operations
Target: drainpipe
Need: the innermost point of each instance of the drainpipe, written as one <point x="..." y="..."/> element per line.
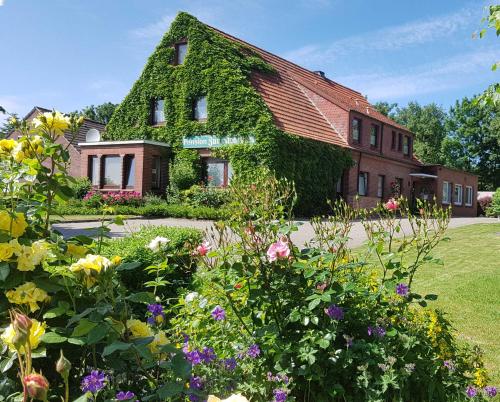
<point x="359" y="169"/>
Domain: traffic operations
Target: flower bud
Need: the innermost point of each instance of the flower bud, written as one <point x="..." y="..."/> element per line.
<point x="37" y="386"/>
<point x="63" y="366"/>
<point x="22" y="326"/>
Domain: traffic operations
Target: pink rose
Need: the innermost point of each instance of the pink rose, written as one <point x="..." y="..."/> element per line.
<point x="278" y="250"/>
<point x="392" y="205"/>
<point x="203" y="248"/>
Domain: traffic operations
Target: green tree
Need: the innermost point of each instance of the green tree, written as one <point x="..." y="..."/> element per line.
<point x="473" y="141"/>
<point x="386" y="108"/>
<point x="101" y="113"/>
<point x="428" y="124"/>
<point x="7" y="126"/>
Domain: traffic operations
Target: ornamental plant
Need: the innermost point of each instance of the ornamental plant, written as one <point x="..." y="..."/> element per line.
<point x="324" y="323"/>
<point x="69" y="327"/>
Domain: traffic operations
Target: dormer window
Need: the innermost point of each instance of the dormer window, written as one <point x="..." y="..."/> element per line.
<point x="158" y="112"/>
<point x="200" y="109"/>
<point x="180" y="52"/>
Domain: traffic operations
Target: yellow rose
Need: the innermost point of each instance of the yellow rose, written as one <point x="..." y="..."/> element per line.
<point x="6" y="146"/>
<point x="116" y="260"/>
<point x="28" y="257"/>
<point x="52" y="121"/>
<point x="89" y="267"/>
<point x="159" y="341"/>
<point x="6" y="251"/>
<point x="139" y="329"/>
<point x="76" y="251"/>
<point x="28" y="294"/>
<point x="16" y="227"/>
<point x="18" y="153"/>
<point x="36" y="332"/>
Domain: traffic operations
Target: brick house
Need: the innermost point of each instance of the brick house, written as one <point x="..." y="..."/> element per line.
<point x="303" y="103"/>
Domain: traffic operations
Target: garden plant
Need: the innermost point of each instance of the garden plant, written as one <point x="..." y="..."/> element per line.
<point x="262" y="320"/>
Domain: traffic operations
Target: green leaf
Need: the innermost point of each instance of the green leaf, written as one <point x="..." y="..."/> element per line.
<point x="47" y="284"/>
<point x="324" y="343"/>
<point x="83" y="398"/>
<point x="430" y="297"/>
<point x="181" y="367"/>
<point x="170" y="389"/>
<point x="6" y="364"/>
<point x="392" y="332"/>
<point x="314" y="303"/>
<point x="128" y="266"/>
<point x="97" y="333"/>
<point x="53" y="337"/>
<point x="4" y="271"/>
<point x="83" y="328"/>
<point x="61" y="309"/>
<point x="169" y="348"/>
<point x="141" y="297"/>
<point x="295" y="316"/>
<point x="116" y="346"/>
<point x="305" y="321"/>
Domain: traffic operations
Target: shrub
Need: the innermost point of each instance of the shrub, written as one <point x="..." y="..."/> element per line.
<point x="484" y="201"/>
<point x="95" y="199"/>
<point x="493" y="208"/>
<point x="205" y="196"/>
<point x="185" y="171"/>
<point x="81" y="186"/>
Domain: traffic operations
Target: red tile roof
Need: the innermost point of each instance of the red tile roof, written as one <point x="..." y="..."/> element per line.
<point x="293" y="111"/>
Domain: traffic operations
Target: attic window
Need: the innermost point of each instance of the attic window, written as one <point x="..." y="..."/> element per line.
<point x="180" y="52"/>
<point x="200" y="109"/>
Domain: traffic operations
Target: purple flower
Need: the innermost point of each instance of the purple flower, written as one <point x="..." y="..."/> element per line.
<point x="196" y="383"/>
<point x="157" y="314"/>
<point x="471" y="391"/>
<point x="218" y="313"/>
<point x="348" y="340"/>
<point x="490" y="391"/>
<point x="124" y="396"/>
<point x="94" y="382"/>
<point x="449" y="365"/>
<point x="280" y="395"/>
<point x="208" y="355"/>
<point x="402" y="289"/>
<point x="194" y="357"/>
<point x="335" y="312"/>
<point x="253" y="351"/>
<point x="377" y="331"/>
<point x="230" y="364"/>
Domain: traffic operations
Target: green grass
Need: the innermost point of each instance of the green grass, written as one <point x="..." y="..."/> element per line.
<point x="468" y="286"/>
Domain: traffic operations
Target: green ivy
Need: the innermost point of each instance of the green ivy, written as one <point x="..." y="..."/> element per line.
<point x="221" y="69"/>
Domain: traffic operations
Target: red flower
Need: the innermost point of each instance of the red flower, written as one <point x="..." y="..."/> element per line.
<point x="36" y="386"/>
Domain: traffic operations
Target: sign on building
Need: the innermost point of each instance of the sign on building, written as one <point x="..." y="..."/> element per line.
<point x="211" y="141"/>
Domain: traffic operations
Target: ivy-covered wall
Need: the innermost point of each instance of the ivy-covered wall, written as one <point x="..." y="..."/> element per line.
<point x="220" y="69"/>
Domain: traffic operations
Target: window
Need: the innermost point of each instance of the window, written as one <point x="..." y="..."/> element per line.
<point x="406" y="145"/>
<point x="363" y="183"/>
<point x="469" y="192"/>
<point x="158" y="111"/>
<point x="338" y="186"/>
<point x="129" y="171"/>
<point x="200" y="109"/>
<point x="94" y="171"/>
<point x="393" y="140"/>
<point x="218" y="172"/>
<point x="112" y="171"/>
<point x="399" y="183"/>
<point x="458" y="194"/>
<point x="380" y="186"/>
<point x="374" y="135"/>
<point x="446" y="192"/>
<point x="400" y="142"/>
<point x="156" y="173"/>
<point x="180" y="53"/>
<point x="356" y="130"/>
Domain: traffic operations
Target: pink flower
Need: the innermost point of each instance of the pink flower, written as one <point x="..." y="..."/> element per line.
<point x="392" y="205"/>
<point x="203" y="248"/>
<point x="278" y="250"/>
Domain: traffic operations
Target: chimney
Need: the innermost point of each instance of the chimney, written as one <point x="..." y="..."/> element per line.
<point x="320" y="73"/>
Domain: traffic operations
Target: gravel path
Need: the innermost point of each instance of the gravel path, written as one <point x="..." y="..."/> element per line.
<point x="304" y="234"/>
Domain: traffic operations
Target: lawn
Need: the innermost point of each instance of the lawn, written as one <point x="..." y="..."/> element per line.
<point x="468" y="285"/>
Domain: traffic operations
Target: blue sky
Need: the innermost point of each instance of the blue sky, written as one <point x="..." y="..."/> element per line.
<point x="68" y="54"/>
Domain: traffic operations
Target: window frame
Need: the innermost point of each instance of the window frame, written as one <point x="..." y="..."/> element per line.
<point x="120" y="180"/>
<point x="227" y="172"/>
<point x="94" y="169"/>
<point x="129" y="162"/>
<point x="467" y="203"/>
<point x="374" y="134"/>
<point x="154" y="103"/>
<point x="365" y="179"/>
<point x="195" y="103"/>
<point x="458" y="200"/>
<point x="446" y="200"/>
<point x="393" y="140"/>
<point x="406" y="145"/>
<point x="358" y="122"/>
<point x="176" y="55"/>
<point x="400" y="142"/>
<point x="156" y="175"/>
<point x="380" y="186"/>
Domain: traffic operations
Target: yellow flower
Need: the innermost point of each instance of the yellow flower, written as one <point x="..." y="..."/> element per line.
<point x="90" y="267"/>
<point x="116" y="260"/>
<point x="139" y="329"/>
<point x="18" y="153"/>
<point x="480" y="377"/>
<point x="6" y="251"/>
<point x="232" y="398"/>
<point x="28" y="257"/>
<point x="52" y="121"/>
<point x="28" y="294"/>
<point x="36" y="332"/>
<point x="159" y="341"/>
<point x="76" y="251"/>
<point x="6" y="146"/>
<point x="16" y="227"/>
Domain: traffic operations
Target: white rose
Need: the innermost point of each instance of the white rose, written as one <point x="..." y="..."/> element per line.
<point x="157" y="243"/>
<point x="190" y="297"/>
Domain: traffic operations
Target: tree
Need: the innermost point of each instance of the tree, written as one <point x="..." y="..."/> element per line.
<point x="7" y="126"/>
<point x="101" y="113"/>
<point x="428" y="124"/>
<point x="473" y="141"/>
<point x="386" y="108"/>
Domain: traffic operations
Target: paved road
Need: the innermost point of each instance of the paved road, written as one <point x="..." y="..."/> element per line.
<point x="304" y="234"/>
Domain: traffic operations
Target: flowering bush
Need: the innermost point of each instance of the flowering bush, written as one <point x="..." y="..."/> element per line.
<point x="493" y="209"/>
<point x="97" y="198"/>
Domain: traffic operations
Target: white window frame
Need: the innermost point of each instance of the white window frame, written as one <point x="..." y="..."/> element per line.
<point x="458" y="200"/>
<point x="446" y="194"/>
<point x="469" y="191"/>
<point x="363" y="175"/>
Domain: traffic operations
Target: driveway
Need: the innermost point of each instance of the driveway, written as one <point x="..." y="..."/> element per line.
<point x="304" y="234"/>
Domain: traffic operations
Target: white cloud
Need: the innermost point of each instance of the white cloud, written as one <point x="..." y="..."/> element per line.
<point x="455" y="72"/>
<point x="391" y="38"/>
<point x="155" y="29"/>
<point x="1" y="2"/>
